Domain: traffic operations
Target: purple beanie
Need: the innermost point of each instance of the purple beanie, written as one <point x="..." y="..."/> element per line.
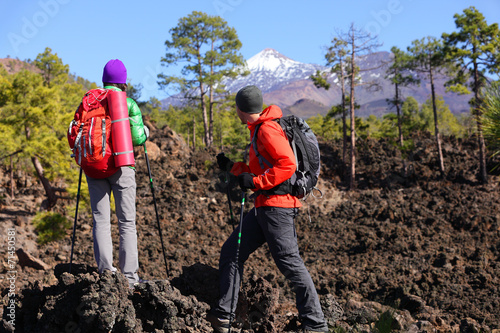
<point x="114" y="72"/>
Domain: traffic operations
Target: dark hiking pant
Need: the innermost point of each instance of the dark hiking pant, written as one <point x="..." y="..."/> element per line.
<point x="275" y="226"/>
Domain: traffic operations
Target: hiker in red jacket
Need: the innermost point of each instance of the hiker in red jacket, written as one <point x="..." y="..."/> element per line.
<point x="271" y="220"/>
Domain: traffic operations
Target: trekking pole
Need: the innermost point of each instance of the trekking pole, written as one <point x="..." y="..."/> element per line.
<point x="156" y="208"/>
<point x="233" y="313"/>
<point x="228" y="192"/>
<point x="76" y="217"/>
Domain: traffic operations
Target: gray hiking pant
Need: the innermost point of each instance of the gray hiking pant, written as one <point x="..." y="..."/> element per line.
<point x="276" y="227"/>
<point x="123" y="185"/>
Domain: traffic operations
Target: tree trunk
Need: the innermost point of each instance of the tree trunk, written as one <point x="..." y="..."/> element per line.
<point x="49" y="191"/>
<point x="211" y="105"/>
<point x="352" y="181"/>
<point x="211" y="119"/>
<point x="344" y="115"/>
<point x="398" y="112"/>
<point x="203" y="105"/>
<point x="205" y="122"/>
<point x="436" y="126"/>
<point x="11" y="178"/>
<point x="483" y="174"/>
<point x="220" y="133"/>
<point x="194" y="133"/>
<point x="400" y="128"/>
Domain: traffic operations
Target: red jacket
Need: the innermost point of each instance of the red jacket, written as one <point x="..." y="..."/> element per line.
<point x="273" y="145"/>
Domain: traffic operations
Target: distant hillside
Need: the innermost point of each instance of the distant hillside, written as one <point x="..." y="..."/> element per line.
<point x="306" y="108"/>
<point x="14" y="65"/>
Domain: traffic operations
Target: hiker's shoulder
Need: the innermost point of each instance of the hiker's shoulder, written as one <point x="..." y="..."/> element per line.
<point x="271" y="128"/>
<point x="133" y="107"/>
<point x="131" y="102"/>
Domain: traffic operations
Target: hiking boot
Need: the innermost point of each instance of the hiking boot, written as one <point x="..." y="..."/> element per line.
<point x="132" y="285"/>
<point x="218" y="324"/>
<point x="312" y="331"/>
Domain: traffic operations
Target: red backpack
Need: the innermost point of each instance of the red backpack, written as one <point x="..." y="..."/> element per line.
<point x="89" y="135"/>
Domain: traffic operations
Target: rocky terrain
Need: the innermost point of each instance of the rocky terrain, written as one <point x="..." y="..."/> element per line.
<point x="401" y="253"/>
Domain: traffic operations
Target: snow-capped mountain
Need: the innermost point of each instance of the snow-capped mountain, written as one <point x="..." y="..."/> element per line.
<point x="271" y="70"/>
<point x="286" y="83"/>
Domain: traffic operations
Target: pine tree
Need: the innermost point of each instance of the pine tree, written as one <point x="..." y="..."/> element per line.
<point x="427" y="60"/>
<point x="474" y="50"/>
<point x="210" y="49"/>
<point x="30" y="113"/>
<point x="35" y="110"/>
<point x="400" y="76"/>
<point x="336" y="58"/>
<point x="52" y="68"/>
<point x="359" y="44"/>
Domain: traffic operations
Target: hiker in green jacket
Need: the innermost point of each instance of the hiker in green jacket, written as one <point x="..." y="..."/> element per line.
<point x="104" y="177"/>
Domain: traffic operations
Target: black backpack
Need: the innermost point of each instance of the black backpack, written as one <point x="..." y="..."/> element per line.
<point x="306" y="150"/>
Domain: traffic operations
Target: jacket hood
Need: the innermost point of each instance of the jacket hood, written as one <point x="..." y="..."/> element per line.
<point x="270" y="113"/>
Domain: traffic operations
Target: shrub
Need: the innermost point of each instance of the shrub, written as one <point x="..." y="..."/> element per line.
<point x="50" y="226"/>
<point x="491" y="116"/>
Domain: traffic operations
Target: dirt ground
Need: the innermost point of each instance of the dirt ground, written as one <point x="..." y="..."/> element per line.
<point x="403" y="252"/>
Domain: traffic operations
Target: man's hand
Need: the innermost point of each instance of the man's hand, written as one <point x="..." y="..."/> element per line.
<point x="246" y="181"/>
<point x="224" y="163"/>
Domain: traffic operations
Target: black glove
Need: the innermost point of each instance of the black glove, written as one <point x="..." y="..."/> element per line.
<point x="246" y="181"/>
<point x="224" y="163"/>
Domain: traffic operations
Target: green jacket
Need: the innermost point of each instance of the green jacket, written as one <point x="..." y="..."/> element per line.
<point x="135" y="117"/>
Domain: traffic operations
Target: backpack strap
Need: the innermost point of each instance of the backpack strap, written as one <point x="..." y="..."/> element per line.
<point x="261" y="158"/>
<point x="294" y="146"/>
<point x="298" y="142"/>
<point x="77" y="145"/>
<point x="281" y="189"/>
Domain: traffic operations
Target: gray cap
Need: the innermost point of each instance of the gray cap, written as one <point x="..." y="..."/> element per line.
<point x="249" y="99"/>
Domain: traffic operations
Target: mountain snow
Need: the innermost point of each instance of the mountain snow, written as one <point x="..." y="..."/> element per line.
<point x="270" y="70"/>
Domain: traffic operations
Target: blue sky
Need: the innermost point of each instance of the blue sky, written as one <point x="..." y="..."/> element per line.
<point x="86" y="34"/>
